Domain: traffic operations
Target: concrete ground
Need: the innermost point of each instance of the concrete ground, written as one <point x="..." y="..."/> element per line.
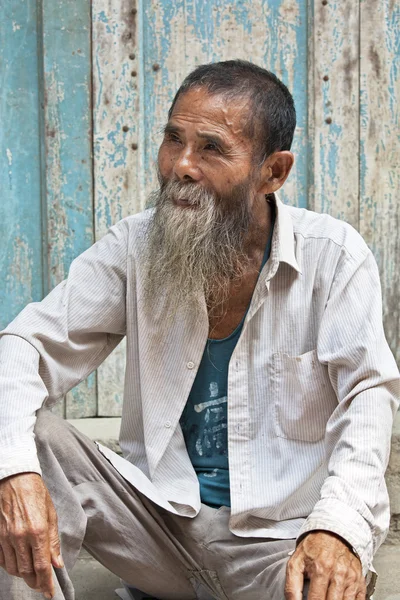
<point x="94" y="582"/>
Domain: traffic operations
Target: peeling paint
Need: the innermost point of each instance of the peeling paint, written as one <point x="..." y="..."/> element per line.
<point x="9" y="158"/>
<point x="115" y="108"/>
<point x="115" y="162"/>
<point x="68" y="141"/>
<point x="20" y="214"/>
<point x="380" y="150"/>
<point x="19" y="278"/>
<point x="334" y="110"/>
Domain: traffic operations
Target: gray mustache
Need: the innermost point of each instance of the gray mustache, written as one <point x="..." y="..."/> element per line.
<point x="192" y="193"/>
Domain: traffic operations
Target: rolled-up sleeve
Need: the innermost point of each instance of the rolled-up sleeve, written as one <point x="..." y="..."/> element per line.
<point x="362" y="370"/>
<point x="53" y="345"/>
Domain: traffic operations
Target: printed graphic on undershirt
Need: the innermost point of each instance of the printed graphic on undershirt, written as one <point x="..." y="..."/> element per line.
<point x="204" y="422"/>
<point x="204" y="425"/>
<point x="212" y="430"/>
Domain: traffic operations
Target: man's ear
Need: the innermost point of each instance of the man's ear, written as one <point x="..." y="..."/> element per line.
<point x="275" y="170"/>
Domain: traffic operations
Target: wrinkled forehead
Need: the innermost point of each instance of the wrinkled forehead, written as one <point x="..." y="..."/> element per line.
<point x="199" y="106"/>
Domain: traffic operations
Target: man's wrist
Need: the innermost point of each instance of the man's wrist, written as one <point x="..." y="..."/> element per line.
<point x="338" y="517"/>
<point x="333" y="534"/>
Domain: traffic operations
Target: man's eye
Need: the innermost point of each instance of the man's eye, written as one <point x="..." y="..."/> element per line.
<point x="211" y="146"/>
<point x="172" y="137"/>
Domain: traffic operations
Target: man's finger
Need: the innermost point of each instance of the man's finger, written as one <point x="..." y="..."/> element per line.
<point x="25" y="565"/>
<point x="43" y="568"/>
<point x="351" y="593"/>
<point x="340" y="580"/>
<point x="55" y="547"/>
<point x="362" y="591"/>
<point x="294" y="581"/>
<point x="336" y="590"/>
<point x="318" y="587"/>
<point x="10" y="559"/>
<point x="57" y="560"/>
<point x="2" y="563"/>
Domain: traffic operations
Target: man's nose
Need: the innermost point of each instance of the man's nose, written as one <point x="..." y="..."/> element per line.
<point x="186" y="166"/>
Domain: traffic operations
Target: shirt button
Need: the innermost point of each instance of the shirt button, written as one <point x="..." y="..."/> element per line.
<point x="167" y="424"/>
<point x="190" y="365"/>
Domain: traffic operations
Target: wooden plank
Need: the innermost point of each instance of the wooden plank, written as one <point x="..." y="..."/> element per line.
<point x="20" y="206"/>
<point x="380" y="150"/>
<point x="334" y="109"/>
<point x="116" y="140"/>
<point x="177" y="36"/>
<point x="115" y="75"/>
<point x="67" y="138"/>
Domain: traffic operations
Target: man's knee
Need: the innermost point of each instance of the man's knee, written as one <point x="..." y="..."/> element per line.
<point x="48" y="428"/>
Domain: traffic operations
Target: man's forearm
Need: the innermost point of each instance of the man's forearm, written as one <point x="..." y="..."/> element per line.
<point x="22" y="393"/>
<point x="354" y="502"/>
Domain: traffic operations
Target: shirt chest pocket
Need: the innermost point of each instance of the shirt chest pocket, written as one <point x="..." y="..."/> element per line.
<point x="303" y="397"/>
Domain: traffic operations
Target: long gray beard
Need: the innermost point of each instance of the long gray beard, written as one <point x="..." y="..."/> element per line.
<point x="198" y="251"/>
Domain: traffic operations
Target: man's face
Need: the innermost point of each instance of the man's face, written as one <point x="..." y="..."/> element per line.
<point x="205" y="144"/>
<point x="206" y="204"/>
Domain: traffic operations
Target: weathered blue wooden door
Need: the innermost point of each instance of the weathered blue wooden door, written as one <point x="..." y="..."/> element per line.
<point x="46" y="213"/>
<point x="85" y="88"/>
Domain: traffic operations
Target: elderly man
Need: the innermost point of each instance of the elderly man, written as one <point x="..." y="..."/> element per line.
<point x="259" y="391"/>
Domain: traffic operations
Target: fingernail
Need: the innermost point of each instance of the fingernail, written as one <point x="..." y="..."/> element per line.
<point x="48" y="596"/>
<point x="60" y="561"/>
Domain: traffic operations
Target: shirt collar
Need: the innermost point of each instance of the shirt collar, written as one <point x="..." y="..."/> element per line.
<point x="283" y="239"/>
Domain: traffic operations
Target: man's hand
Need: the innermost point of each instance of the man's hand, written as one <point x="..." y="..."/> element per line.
<point x="29" y="543"/>
<point x="335" y="573"/>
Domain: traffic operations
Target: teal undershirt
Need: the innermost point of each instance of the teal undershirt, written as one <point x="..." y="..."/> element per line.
<point x="204" y="420"/>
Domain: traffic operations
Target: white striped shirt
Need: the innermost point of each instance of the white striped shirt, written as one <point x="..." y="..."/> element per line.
<point x="312" y="383"/>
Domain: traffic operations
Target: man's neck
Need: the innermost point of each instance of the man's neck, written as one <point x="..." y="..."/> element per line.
<point x="225" y="317"/>
<point x="259" y="231"/>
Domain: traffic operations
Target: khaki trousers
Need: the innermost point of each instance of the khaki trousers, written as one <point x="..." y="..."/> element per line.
<point x="166" y="556"/>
